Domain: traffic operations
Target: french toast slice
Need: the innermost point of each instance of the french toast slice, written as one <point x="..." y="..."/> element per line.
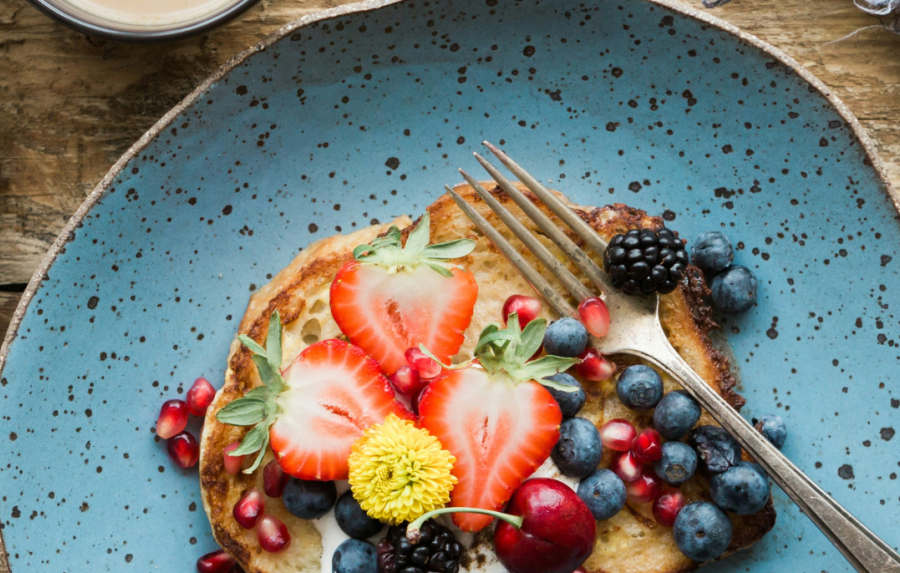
<point x="630" y="542"/>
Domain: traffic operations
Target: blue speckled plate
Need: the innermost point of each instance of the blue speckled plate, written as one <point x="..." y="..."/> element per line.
<point x="363" y="113"/>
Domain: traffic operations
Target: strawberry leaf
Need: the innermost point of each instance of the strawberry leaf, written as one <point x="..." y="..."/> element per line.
<point x="253" y="441"/>
<point x="251" y="344"/>
<point x="273" y="342"/>
<point x="449" y="250"/>
<point x="242" y="412"/>
<point x="532" y="338"/>
<point x="439" y="269"/>
<point x="262" y="449"/>
<point x="260" y="392"/>
<point x="418" y="238"/>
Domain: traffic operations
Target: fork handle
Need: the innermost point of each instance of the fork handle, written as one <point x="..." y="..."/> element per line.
<point x="862" y="548"/>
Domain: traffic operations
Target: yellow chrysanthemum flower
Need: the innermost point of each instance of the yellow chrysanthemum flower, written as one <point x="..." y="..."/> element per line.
<point x="399" y="472"/>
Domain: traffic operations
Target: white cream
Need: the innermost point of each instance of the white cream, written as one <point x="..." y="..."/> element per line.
<point x="332" y="535"/>
<point x="151" y="12"/>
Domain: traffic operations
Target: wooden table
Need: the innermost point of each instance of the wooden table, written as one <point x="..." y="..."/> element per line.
<point x="70" y="104"/>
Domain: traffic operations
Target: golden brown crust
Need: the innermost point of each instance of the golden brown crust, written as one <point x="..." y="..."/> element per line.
<point x="297" y="290"/>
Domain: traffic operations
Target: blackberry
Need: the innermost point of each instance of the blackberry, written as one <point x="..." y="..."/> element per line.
<point x="437" y="550"/>
<point x="646" y="261"/>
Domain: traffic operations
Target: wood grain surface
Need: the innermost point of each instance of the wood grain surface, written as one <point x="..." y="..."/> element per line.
<point x="70" y="105"/>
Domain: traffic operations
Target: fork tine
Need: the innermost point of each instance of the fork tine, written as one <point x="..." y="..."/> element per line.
<point x="538" y="282"/>
<point x="571" y="250"/>
<point x="543" y="254"/>
<point x="582" y="229"/>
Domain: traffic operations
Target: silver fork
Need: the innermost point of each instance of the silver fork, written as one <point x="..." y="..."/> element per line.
<point x="645" y="338"/>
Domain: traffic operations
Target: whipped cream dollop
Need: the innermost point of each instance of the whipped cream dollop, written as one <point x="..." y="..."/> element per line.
<point x="333" y="536"/>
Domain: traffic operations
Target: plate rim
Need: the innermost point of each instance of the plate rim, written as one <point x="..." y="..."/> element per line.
<point x="67" y="233"/>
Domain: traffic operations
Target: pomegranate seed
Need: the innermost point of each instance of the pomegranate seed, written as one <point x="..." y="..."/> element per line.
<point x="249" y="509"/>
<point x="272" y="534"/>
<point x="233" y="464"/>
<point x="200" y="396"/>
<point x="274" y="479"/>
<point x="647" y="446"/>
<point x="527" y="307"/>
<point x="626" y="467"/>
<point x="422" y="363"/>
<point x="618" y="435"/>
<point x="173" y="419"/>
<point x="414" y="401"/>
<point x="667" y="506"/>
<point x="407" y="381"/>
<point x="183" y="449"/>
<point x="644" y="489"/>
<point x="215" y="562"/>
<point x="595" y="316"/>
<point x="594" y="366"/>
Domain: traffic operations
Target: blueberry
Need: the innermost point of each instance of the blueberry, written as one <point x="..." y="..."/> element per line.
<point x="309" y="499"/>
<point x="603" y="492"/>
<point x="353" y="520"/>
<point x="569" y="402"/>
<point x="639" y="387"/>
<point x="677" y="464"/>
<point x="354" y="556"/>
<point x="743" y="488"/>
<point x="773" y="428"/>
<point x="712" y="251"/>
<point x="578" y="450"/>
<point x="715" y="447"/>
<point x="566" y="337"/>
<point x="702" y="531"/>
<point x="675" y="415"/>
<point x="734" y="290"/>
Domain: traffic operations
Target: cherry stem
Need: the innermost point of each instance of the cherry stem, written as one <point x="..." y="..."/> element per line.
<point x="412" y="530"/>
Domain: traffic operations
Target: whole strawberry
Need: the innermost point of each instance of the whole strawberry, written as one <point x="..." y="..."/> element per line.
<point x="392" y="297"/>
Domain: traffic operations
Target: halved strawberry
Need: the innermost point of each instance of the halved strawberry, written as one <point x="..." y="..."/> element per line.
<point x="392" y="298"/>
<point x="495" y="417"/>
<point x="499" y="433"/>
<point x="334" y="392"/>
<point x="312" y="412"/>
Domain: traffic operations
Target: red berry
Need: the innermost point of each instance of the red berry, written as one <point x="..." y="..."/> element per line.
<point x="407" y="381"/>
<point x="644" y="489"/>
<point x="626" y="467"/>
<point x="667" y="506"/>
<point x="173" y="419"/>
<point x="249" y="509"/>
<point x="274" y="479"/>
<point x="183" y="449"/>
<point x="272" y="534"/>
<point x="215" y="562"/>
<point x="595" y="316"/>
<point x="618" y="435"/>
<point x="422" y="363"/>
<point x="594" y="366"/>
<point x="200" y="396"/>
<point x="414" y="401"/>
<point x="233" y="464"/>
<point x="527" y="307"/>
<point x="647" y="446"/>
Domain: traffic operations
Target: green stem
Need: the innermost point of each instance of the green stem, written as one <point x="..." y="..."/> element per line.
<point x="412" y="530"/>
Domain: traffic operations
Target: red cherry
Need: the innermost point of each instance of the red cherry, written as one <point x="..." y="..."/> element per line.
<point x="272" y="534"/>
<point x="200" y="396"/>
<point x="594" y="366"/>
<point x="644" y="489"/>
<point x="274" y="479"/>
<point x="422" y="363"/>
<point x="667" y="506"/>
<point x="595" y="316"/>
<point x="407" y="381"/>
<point x="527" y="307"/>
<point x="557" y="534"/>
<point x="233" y="464"/>
<point x="626" y="467"/>
<point x="173" y="419"/>
<point x="618" y="435"/>
<point x="647" y="446"/>
<point x="183" y="449"/>
<point x="215" y="562"/>
<point x="249" y="509"/>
